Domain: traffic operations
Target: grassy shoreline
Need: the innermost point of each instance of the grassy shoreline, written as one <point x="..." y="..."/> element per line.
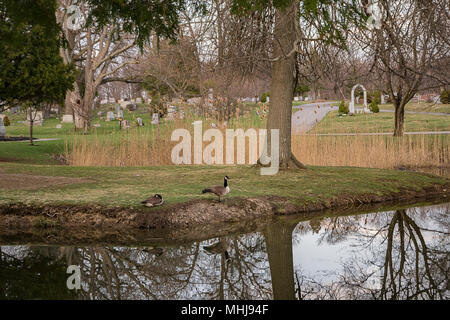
<point x="95" y="196"/>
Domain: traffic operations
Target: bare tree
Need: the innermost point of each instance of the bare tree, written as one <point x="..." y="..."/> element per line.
<point x="98" y="53"/>
<point x="410" y="42"/>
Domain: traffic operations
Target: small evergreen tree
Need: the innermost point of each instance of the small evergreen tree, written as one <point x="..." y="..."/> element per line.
<point x="445" y="97"/>
<point x="374" y="106"/>
<point x="343" y="107"/>
<point x="264" y="97"/>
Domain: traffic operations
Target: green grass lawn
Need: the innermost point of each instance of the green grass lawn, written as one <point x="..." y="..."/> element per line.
<point x="43" y="152"/>
<point x="420" y="107"/>
<point x="380" y="122"/>
<point x="127" y="186"/>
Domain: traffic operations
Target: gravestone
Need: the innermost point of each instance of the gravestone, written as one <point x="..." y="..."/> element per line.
<point x="182" y="114"/>
<point x="58" y="126"/>
<point x="67" y="118"/>
<point x="138" y="100"/>
<point x="2" y="129"/>
<point x="97" y="125"/>
<point x="382" y="99"/>
<point x="155" y="118"/>
<point x="125" y="124"/>
<point x="110" y="116"/>
<point x="295" y="98"/>
<point x="131" y="107"/>
<point x="139" y="122"/>
<point x="104" y="101"/>
<point x="37" y="117"/>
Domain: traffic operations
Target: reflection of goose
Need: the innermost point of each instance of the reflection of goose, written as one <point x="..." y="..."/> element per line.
<point x="155" y="251"/>
<point x="219" y="248"/>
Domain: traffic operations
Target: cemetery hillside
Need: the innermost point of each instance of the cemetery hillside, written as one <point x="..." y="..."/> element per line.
<point x="224" y="150"/>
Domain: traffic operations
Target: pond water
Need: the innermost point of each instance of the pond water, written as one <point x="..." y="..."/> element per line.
<point x="396" y="254"/>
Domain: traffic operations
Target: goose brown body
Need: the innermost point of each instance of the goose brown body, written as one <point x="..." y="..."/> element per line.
<point x="219" y="191"/>
<point x="154" y="201"/>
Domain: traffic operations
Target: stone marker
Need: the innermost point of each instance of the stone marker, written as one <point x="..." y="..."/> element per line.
<point x="138" y="100"/>
<point x="131" y="107"/>
<point x="67" y="118"/>
<point x="97" y="125"/>
<point x="2" y="129"/>
<point x="58" y="126"/>
<point x="139" y="122"/>
<point x="125" y="124"/>
<point x="155" y="118"/>
<point x="37" y="117"/>
<point x="110" y="116"/>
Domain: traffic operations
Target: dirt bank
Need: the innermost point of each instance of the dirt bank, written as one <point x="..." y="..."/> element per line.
<point x="192" y="214"/>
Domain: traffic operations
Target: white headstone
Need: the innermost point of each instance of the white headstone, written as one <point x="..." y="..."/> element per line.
<point x="2" y="128"/>
<point x="67" y="118"/>
<point x="138" y="100"/>
<point x="110" y="116"/>
<point x="295" y="98"/>
<point x="104" y="101"/>
<point x="37" y="117"/>
<point x="139" y="122"/>
<point x="58" y="126"/>
<point x="125" y="124"/>
<point x="97" y="125"/>
<point x="155" y="118"/>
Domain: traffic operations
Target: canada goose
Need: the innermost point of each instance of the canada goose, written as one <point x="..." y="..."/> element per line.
<point x="219" y="190"/>
<point x="154" y="201"/>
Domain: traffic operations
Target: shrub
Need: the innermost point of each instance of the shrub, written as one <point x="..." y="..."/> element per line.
<point x="374" y="107"/>
<point x="264" y="97"/>
<point x="375" y="97"/>
<point x="6" y="121"/>
<point x="445" y="97"/>
<point x="343" y="108"/>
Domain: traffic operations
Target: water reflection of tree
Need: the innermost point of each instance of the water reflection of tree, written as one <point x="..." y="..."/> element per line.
<point x="32" y="274"/>
<point x="404" y="260"/>
<point x="176" y="273"/>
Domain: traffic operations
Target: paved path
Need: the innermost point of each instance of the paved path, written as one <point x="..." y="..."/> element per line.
<point x="308" y="115"/>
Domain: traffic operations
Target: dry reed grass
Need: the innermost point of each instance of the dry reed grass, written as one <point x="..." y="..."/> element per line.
<point x="145" y="148"/>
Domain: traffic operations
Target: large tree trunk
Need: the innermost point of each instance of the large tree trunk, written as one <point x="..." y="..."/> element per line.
<point x="278" y="238"/>
<point x="282" y="85"/>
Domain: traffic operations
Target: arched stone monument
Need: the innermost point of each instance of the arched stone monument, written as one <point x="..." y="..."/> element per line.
<point x="351" y="107"/>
